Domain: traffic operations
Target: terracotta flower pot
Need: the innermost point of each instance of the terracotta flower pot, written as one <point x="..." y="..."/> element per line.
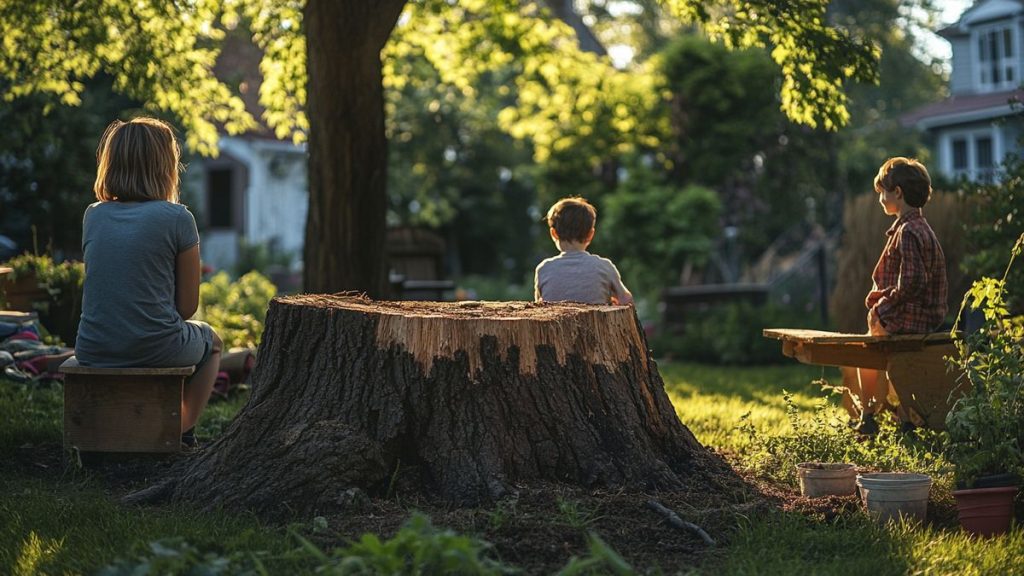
<point x="986" y="511"/>
<point x="826" y="479"/>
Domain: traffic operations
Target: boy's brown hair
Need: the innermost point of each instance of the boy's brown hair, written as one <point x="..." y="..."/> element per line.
<point x="910" y="175"/>
<point x="138" y="160"/>
<point x="572" y="219"/>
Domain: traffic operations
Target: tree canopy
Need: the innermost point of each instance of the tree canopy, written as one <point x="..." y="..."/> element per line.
<point x="565" y="101"/>
<point x="163" y="53"/>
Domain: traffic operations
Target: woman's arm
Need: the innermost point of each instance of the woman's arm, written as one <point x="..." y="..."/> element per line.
<point x="186" y="282"/>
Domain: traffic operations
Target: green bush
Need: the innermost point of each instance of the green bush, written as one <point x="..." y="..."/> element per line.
<point x="730" y="334"/>
<point x="651" y="231"/>
<point x="986" y="425"/>
<point x="62" y="282"/>
<point x="236" y="310"/>
<point x="997" y="220"/>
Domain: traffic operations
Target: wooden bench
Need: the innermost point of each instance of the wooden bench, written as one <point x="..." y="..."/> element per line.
<point x="122" y="409"/>
<point x="915" y="364"/>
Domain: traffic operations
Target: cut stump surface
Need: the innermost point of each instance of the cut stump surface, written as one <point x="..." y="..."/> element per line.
<point x="469" y="398"/>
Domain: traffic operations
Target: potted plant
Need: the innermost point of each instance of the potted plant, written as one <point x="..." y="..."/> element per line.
<point x="24" y="288"/>
<point x="63" y="283"/>
<point x="986" y="424"/>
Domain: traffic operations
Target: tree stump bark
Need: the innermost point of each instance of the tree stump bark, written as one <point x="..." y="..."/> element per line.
<point x="472" y="398"/>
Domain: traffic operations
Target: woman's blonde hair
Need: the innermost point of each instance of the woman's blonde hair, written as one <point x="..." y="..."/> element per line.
<point x="138" y="160"/>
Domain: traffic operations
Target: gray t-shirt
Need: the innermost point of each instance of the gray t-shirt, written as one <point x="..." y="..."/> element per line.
<point x="129" y="316"/>
<point x="578" y="276"/>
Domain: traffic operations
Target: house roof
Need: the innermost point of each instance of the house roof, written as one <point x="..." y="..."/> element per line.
<point x="964" y="108"/>
<point x="982" y="11"/>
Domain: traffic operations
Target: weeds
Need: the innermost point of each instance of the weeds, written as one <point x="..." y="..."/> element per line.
<point x="574" y="515"/>
<point x="825" y="437"/>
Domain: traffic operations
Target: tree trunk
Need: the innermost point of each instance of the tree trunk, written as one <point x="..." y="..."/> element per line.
<point x="465" y="400"/>
<point x="344" y="247"/>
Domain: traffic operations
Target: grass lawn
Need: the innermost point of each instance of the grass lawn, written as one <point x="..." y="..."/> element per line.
<point x="60" y="519"/>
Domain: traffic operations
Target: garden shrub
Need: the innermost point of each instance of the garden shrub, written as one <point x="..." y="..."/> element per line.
<point x="996" y="220"/>
<point x="652" y="230"/>
<point x="730" y="334"/>
<point x="236" y="310"/>
<point x="60" y="312"/>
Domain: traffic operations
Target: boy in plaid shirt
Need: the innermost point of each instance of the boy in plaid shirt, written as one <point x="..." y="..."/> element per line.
<point x="909" y="291"/>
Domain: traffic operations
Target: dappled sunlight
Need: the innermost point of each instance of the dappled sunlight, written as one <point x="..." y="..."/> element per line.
<point x="715" y="401"/>
<point x="35" y="552"/>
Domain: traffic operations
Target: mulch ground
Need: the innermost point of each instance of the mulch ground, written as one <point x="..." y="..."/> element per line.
<point x="541" y="528"/>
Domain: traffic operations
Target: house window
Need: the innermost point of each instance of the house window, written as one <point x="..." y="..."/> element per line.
<point x="997" y="65"/>
<point x="973" y="155"/>
<point x="220" y="198"/>
<point x="983" y="152"/>
<point x="959" y="154"/>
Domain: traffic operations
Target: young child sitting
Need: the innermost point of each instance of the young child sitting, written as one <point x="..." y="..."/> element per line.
<point x="909" y="291"/>
<point x="142" y="266"/>
<point x="576" y="275"/>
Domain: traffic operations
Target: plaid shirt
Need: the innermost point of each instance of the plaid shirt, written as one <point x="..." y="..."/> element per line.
<point x="909" y="292"/>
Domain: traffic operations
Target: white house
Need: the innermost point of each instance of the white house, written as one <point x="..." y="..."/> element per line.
<point x="255" y="192"/>
<point x="974" y="129"/>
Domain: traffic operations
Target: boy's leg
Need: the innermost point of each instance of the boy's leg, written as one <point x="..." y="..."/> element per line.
<point x="851" y="392"/>
<point x="197" y="389"/>
<point x="870" y="399"/>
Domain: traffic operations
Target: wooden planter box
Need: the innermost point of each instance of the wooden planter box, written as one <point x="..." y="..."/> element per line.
<point x="23" y="293"/>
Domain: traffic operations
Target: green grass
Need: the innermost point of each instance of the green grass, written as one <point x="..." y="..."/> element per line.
<point x="68" y="523"/>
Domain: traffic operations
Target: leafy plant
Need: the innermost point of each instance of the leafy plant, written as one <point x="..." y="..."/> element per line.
<point x="62" y="283"/>
<point x="825" y="438"/>
<point x="576" y="515"/>
<point x="651" y="230"/>
<point x="986" y="424"/>
<point x="236" y="310"/>
<point x="176" y="556"/>
<point x="601" y="559"/>
<point x="418" y="548"/>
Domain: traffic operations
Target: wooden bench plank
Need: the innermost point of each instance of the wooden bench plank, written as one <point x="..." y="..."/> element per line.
<point x="914" y="363"/>
<point x="71" y="366"/>
<point x="822" y="337"/>
<point x="17" y="317"/>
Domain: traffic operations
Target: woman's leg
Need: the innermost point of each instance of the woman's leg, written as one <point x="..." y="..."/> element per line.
<point x="198" y="387"/>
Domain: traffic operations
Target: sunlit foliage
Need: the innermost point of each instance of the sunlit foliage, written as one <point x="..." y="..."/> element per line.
<point x="163" y="54"/>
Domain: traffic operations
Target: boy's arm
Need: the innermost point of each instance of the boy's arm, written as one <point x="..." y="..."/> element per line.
<point x="909" y="285"/>
<point x="536" y="283"/>
<point x="621" y="295"/>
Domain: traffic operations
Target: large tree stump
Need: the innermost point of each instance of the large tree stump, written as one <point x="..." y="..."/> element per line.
<point x="471" y="397"/>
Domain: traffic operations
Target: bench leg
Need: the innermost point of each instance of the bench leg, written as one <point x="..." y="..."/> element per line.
<point x="923" y="385"/>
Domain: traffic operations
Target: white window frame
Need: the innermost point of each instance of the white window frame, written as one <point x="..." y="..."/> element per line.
<point x="1012" y="62"/>
<point x="973" y="172"/>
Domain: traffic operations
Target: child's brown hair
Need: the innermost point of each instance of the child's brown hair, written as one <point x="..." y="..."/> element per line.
<point x="138" y="160"/>
<point x="572" y="219"/>
<point x="910" y="175"/>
